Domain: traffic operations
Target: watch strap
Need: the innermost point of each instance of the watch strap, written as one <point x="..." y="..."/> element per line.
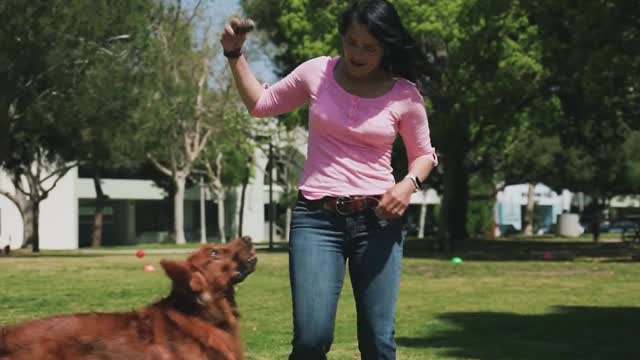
<point x="415" y="180"/>
<point x="233" y="53"/>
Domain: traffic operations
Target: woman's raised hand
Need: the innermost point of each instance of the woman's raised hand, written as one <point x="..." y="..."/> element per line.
<point x="235" y="33"/>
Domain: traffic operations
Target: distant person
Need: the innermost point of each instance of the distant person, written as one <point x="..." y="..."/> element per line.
<point x="349" y="205"/>
<point x="595" y="216"/>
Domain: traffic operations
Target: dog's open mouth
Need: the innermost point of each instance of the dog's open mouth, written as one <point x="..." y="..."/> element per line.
<point x="245" y="268"/>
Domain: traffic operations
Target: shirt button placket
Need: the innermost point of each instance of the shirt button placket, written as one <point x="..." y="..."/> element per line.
<point x="354" y="106"/>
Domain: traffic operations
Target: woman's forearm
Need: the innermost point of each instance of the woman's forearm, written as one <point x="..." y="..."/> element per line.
<point x="421" y="167"/>
<point x="246" y="83"/>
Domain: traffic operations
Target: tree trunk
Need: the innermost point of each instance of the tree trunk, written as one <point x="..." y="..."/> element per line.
<point x="245" y="182"/>
<point x="98" y="219"/>
<point x="289" y="213"/>
<point x="422" y="219"/>
<point x="36" y="221"/>
<point x="203" y="215"/>
<point x="30" y="198"/>
<point x="221" y="218"/>
<point x="5" y="118"/>
<point x="528" y="217"/>
<point x="178" y="209"/>
<point x="26" y="209"/>
<point x="596" y="219"/>
<point x="455" y="202"/>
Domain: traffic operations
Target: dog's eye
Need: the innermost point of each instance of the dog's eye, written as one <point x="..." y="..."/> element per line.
<point x="214" y="252"/>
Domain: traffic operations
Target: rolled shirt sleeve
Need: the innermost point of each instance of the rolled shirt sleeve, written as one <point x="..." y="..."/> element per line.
<point x="414" y="129"/>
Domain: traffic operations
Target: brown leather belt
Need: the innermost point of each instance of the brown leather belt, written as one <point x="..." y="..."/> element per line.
<point x="344" y="205"/>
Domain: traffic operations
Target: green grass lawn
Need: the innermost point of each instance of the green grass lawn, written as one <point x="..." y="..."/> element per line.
<point x="509" y="310"/>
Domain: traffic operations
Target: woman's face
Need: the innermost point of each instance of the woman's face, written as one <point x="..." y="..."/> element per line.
<point x="362" y="51"/>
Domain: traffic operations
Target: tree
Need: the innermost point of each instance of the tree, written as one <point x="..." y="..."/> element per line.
<point x="290" y="164"/>
<point x="175" y="118"/>
<point x="227" y="160"/>
<point x="48" y="46"/>
<point x="108" y="95"/>
<point x="590" y="49"/>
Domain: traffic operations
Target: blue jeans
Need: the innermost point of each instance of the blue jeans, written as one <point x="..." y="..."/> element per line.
<point x="320" y="244"/>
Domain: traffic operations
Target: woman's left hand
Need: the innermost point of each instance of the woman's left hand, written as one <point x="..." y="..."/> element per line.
<point x="396" y="200"/>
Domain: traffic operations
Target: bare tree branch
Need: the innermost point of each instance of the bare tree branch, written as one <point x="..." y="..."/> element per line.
<point x="203" y="142"/>
<point x="17" y="183"/>
<point x="62" y="170"/>
<point x="159" y="166"/>
<point x="195" y="11"/>
<point x="177" y="17"/>
<point x="61" y="173"/>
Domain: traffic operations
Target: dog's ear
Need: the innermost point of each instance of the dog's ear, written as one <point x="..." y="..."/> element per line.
<point x="178" y="272"/>
<point x="181" y="275"/>
<point x="197" y="282"/>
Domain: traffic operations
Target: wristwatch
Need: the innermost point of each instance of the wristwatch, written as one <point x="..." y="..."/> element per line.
<point x="415" y="180"/>
<point x="232" y="54"/>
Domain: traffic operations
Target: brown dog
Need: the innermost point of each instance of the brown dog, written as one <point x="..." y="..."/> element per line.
<point x="198" y="320"/>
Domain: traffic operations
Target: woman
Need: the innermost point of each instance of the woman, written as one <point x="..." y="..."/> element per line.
<point x="349" y="204"/>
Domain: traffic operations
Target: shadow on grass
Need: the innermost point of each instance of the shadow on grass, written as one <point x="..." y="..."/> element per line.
<point x="574" y="332"/>
<point x="522" y="250"/>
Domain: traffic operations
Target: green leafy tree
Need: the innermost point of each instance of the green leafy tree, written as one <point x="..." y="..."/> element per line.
<point x="48" y="49"/>
<point x="590" y="50"/>
<point x="227" y="160"/>
<point x="175" y="119"/>
<point x="632" y="150"/>
<point x="108" y="95"/>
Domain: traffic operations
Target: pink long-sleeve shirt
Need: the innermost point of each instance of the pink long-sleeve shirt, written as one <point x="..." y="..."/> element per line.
<point x="350" y="137"/>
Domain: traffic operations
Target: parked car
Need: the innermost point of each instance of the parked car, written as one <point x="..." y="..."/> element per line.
<point x="587" y="226"/>
<point x="621" y="226"/>
<point x="507" y="229"/>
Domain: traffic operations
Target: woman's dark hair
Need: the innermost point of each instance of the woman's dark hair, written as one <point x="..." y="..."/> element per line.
<point x="401" y="54"/>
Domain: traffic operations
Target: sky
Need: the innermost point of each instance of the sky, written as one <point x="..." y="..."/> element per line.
<point x="218" y="12"/>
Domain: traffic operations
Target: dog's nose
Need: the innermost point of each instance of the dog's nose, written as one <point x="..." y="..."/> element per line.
<point x="246" y="239"/>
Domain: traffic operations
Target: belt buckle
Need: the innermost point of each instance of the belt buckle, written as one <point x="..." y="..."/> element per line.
<point x="342" y="200"/>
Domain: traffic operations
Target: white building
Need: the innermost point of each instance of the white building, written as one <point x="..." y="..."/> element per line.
<point x="511" y="203"/>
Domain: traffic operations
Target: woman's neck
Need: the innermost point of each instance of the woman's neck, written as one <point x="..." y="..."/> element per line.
<point x="376" y="76"/>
